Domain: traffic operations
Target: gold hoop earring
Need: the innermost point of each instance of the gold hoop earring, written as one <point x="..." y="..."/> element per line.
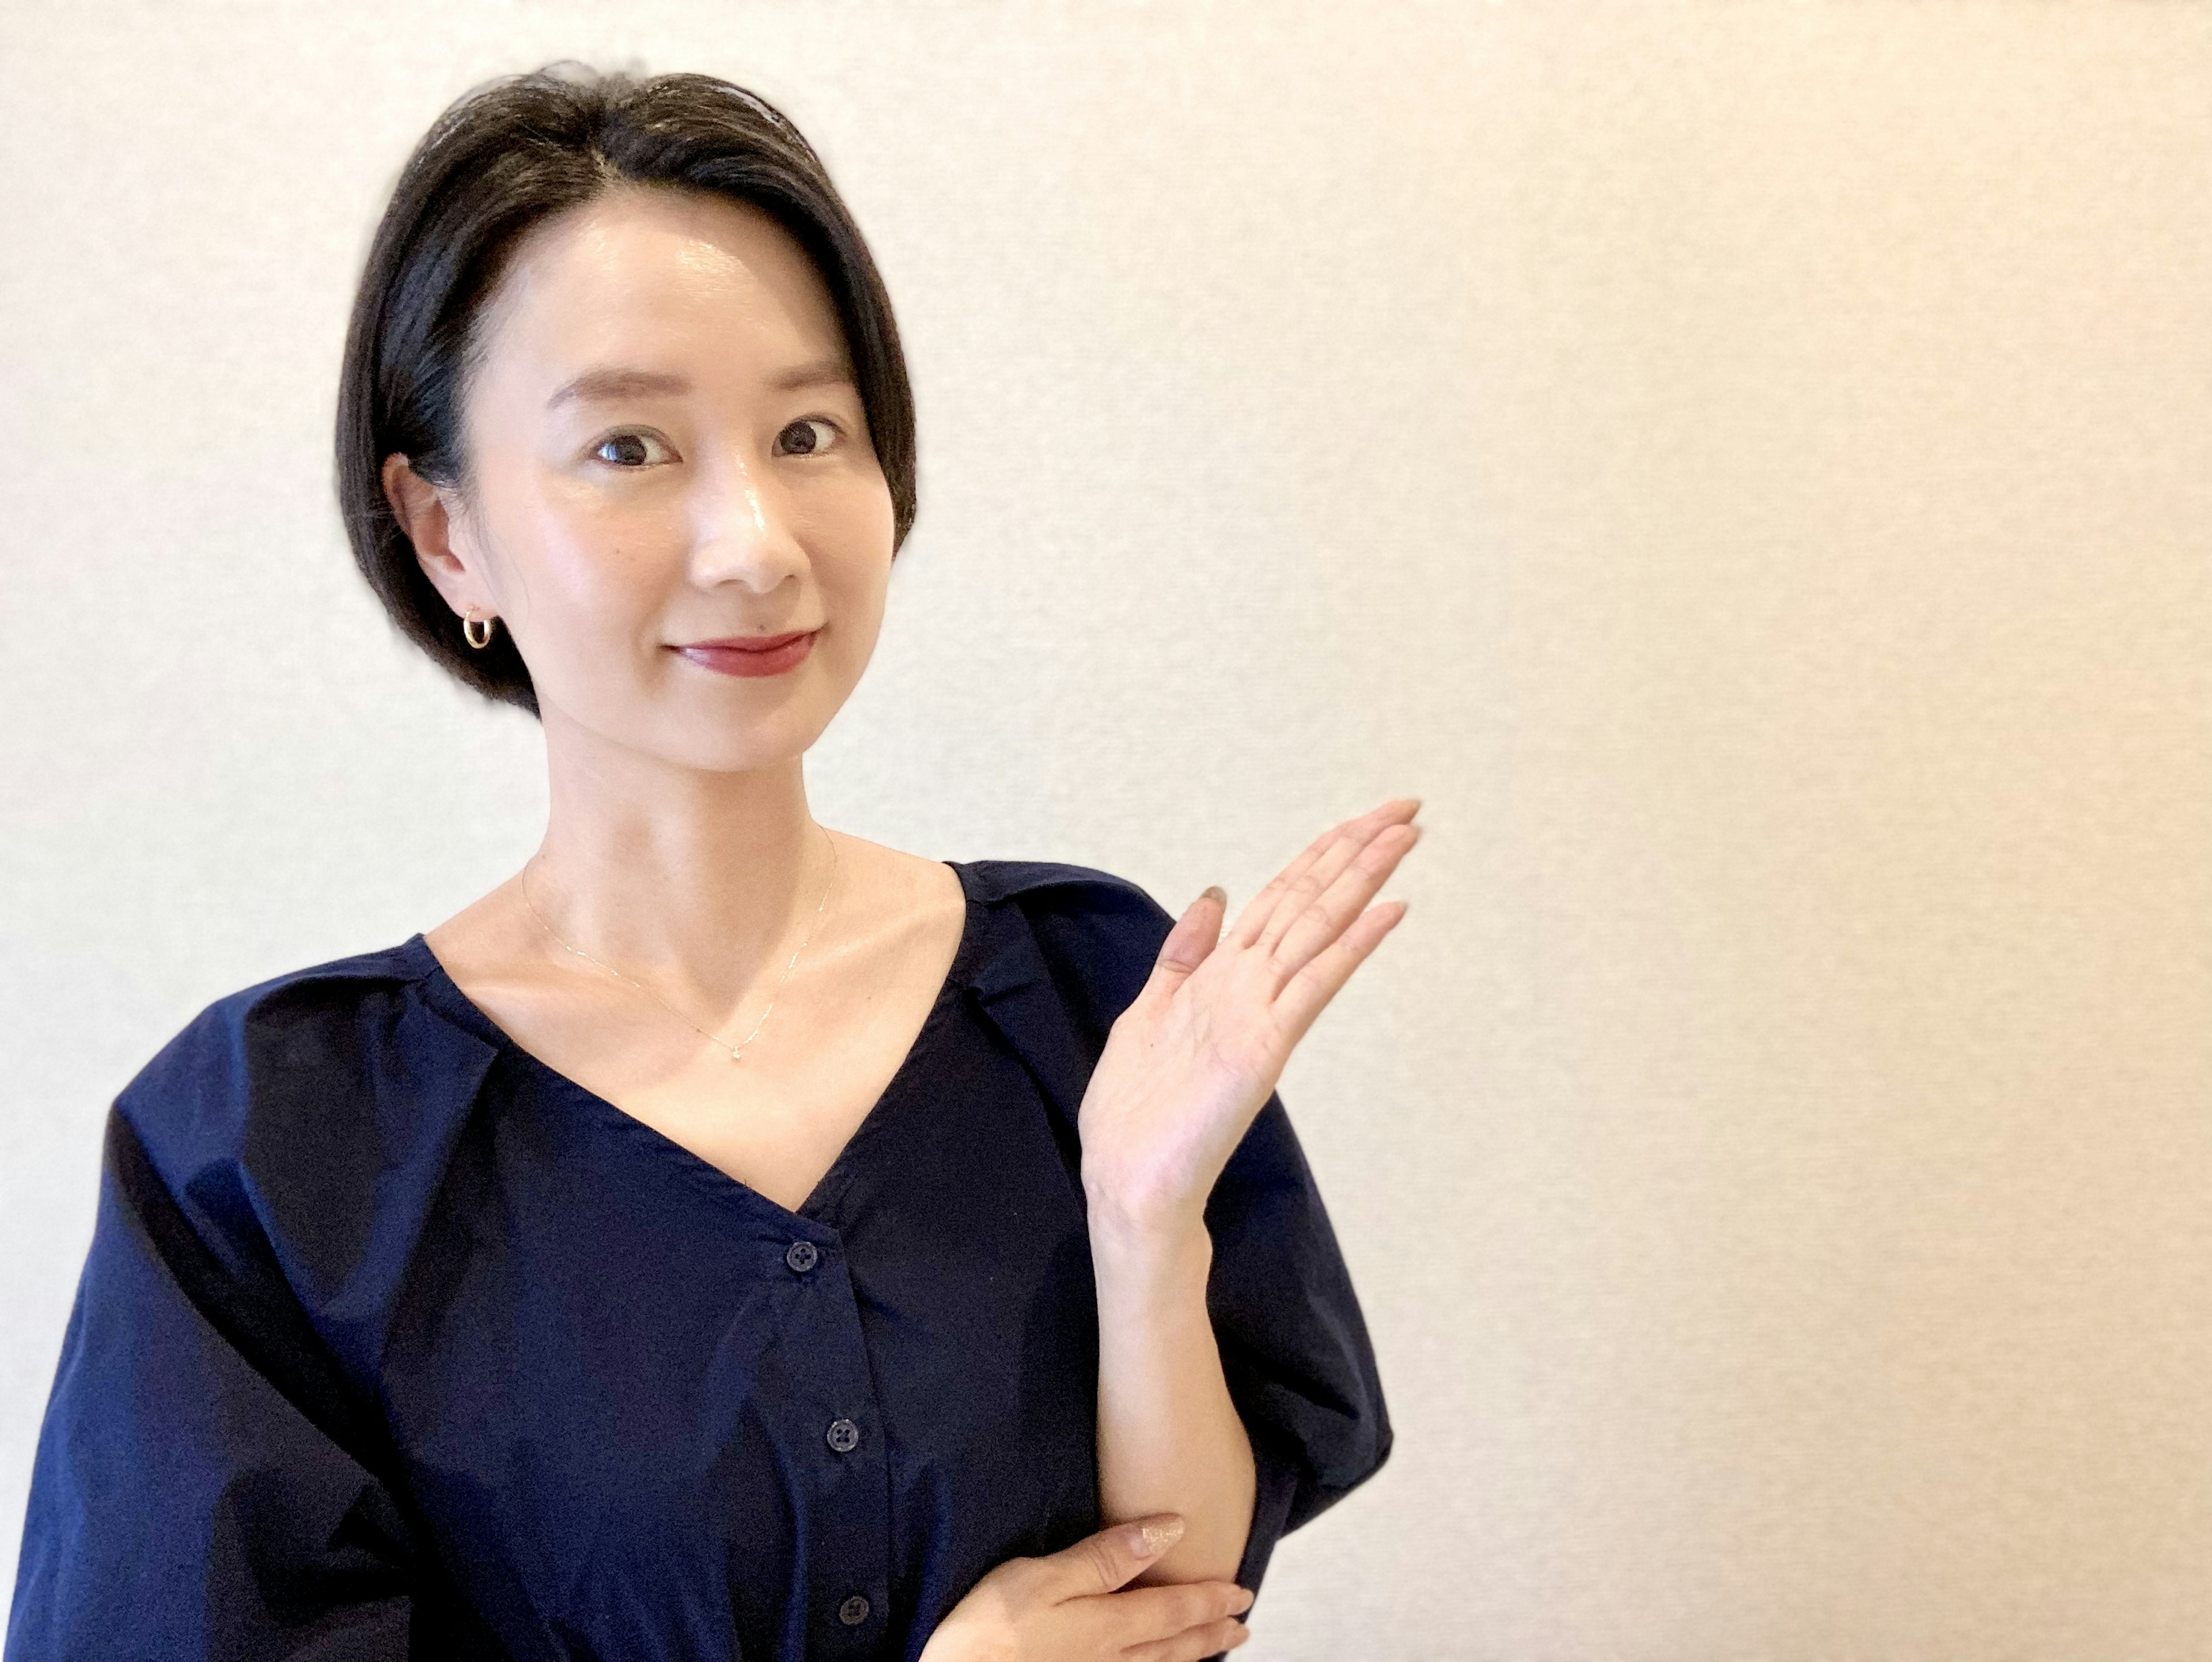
<point x="469" y="630"/>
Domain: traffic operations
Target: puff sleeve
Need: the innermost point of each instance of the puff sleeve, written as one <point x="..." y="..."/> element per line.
<point x="206" y="1483"/>
<point x="1295" y="1351"/>
<point x="1294" y="1347"/>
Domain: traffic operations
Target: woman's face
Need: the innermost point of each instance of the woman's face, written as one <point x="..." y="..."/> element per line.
<point x="666" y="448"/>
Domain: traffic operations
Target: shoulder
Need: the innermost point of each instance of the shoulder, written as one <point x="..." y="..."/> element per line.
<point x="1051" y="886"/>
<point x="284" y="1107"/>
<point x="1099" y="933"/>
<point x="311" y="1018"/>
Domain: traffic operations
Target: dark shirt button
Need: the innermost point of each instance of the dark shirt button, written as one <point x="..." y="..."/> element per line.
<point x="801" y="1256"/>
<point x="853" y="1611"/>
<point x="844" y="1436"/>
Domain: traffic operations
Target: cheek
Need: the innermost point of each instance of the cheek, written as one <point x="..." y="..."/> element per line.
<point x="596" y="573"/>
<point x="856" y="521"/>
<point x="851" y="543"/>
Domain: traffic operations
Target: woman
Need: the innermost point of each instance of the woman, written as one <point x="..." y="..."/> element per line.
<point x="728" y="1237"/>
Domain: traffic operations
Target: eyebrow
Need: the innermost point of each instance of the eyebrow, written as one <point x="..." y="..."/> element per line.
<point x="596" y="384"/>
<point x="821" y="371"/>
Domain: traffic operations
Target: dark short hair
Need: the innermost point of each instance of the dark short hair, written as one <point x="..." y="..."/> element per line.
<point x="501" y="158"/>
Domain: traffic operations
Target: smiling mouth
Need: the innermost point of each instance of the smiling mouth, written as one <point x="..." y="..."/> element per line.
<point x="747" y="642"/>
<point x="750" y="654"/>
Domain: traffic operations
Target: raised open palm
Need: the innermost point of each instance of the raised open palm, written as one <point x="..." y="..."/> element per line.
<point x="1191" y="1062"/>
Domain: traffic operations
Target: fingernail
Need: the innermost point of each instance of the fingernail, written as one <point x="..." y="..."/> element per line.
<point x="1217" y="892"/>
<point x="1152" y="1540"/>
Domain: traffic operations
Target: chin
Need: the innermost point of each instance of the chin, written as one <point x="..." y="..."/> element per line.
<point x="739" y="746"/>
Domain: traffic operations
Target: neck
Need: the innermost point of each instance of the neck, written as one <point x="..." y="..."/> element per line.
<point x="698" y="882"/>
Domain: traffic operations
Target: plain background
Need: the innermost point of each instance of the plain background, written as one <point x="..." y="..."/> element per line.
<point x="1744" y="465"/>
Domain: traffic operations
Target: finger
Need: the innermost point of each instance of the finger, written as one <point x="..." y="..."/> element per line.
<point x="1347" y="896"/>
<point x="1296" y="901"/>
<point x="1102" y="1562"/>
<point x="1143" y="1614"/>
<point x="1254" y="917"/>
<point x="1306" y="994"/>
<point x="1195" y="1646"/>
<point x="1189" y="945"/>
<point x="1261" y="906"/>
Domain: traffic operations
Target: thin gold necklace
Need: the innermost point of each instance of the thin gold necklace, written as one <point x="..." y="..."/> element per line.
<point x="737" y="1050"/>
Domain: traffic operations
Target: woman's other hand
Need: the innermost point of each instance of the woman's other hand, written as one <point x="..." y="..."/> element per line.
<point x="1193" y="1060"/>
<point x="1069" y="1607"/>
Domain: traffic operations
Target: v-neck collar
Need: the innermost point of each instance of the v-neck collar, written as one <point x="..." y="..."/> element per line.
<point x="980" y="956"/>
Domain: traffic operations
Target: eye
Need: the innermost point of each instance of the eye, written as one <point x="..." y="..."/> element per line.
<point x="632" y="450"/>
<point x="805" y="437"/>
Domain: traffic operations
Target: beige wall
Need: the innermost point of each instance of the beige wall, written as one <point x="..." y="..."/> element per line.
<point x="1746" y="466"/>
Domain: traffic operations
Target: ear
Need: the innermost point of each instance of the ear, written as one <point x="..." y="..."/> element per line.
<point x="422" y="511"/>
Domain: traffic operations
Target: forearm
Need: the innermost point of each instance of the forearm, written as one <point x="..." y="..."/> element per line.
<point x="1169" y="1439"/>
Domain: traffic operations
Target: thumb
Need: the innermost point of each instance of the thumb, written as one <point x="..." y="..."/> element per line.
<point x="1193" y="938"/>
<point x="1102" y="1562"/>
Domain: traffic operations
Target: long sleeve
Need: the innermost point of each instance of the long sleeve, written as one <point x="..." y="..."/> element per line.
<point x="193" y="1495"/>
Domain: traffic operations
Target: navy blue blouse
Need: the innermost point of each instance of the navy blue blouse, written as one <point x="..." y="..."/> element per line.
<point x="393" y="1341"/>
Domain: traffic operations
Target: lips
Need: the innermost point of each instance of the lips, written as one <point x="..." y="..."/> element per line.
<point x="750" y="654"/>
<point x="748" y="642"/>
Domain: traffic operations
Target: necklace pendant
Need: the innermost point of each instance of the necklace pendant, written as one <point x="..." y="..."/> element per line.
<point x="737" y="1055"/>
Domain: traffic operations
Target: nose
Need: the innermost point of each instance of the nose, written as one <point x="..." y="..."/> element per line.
<point x="742" y="529"/>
